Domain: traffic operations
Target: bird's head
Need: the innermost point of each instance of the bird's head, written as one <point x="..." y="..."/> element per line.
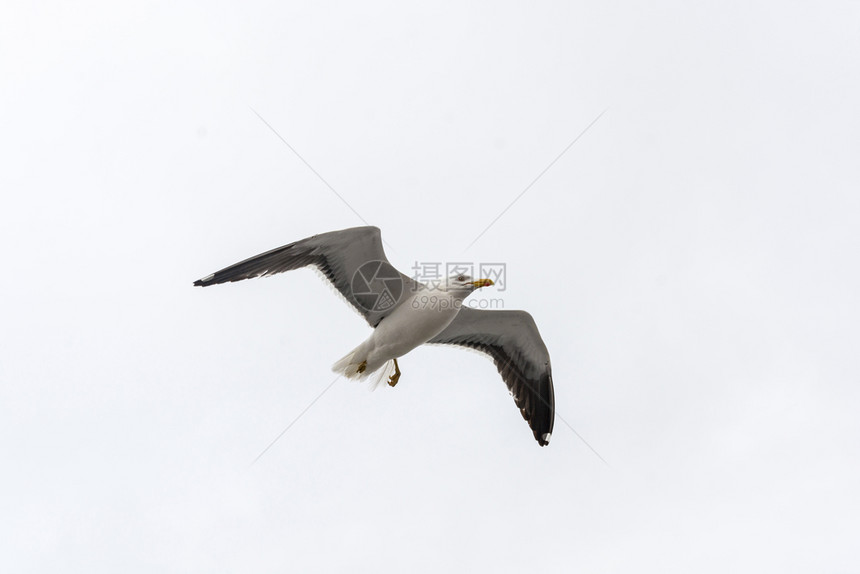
<point x="463" y="284"/>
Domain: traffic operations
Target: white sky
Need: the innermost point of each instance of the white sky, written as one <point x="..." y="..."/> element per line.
<point x="691" y="263"/>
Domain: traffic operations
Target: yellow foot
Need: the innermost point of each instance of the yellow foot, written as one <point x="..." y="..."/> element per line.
<point x="392" y="380"/>
<point x="362" y="367"/>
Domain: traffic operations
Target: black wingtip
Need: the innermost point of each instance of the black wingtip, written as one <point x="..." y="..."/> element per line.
<point x="205" y="281"/>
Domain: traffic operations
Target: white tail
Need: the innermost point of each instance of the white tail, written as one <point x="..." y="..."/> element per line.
<point x="348" y="367"/>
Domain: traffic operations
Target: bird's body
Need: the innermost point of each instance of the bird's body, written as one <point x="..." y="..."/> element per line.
<point x="406" y="314"/>
<point x="408" y="326"/>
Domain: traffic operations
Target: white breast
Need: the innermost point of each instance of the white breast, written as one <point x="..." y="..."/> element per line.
<point x="420" y="318"/>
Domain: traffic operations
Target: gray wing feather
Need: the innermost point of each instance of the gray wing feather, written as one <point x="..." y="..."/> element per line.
<point x="513" y="341"/>
<point x="339" y="255"/>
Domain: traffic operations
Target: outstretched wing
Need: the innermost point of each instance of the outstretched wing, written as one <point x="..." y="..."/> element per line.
<point x="352" y="259"/>
<point x="512" y="339"/>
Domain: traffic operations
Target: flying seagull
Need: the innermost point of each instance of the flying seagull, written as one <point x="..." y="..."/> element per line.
<point x="406" y="313"/>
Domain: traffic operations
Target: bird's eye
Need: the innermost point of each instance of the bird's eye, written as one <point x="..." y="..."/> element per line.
<point x="461" y="278"/>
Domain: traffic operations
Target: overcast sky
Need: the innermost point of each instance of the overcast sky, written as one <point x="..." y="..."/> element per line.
<point x="691" y="262"/>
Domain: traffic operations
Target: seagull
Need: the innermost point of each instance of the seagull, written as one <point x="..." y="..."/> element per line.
<point x="406" y="313"/>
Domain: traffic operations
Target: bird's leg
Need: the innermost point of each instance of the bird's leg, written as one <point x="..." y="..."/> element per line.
<point x="362" y="367"/>
<point x="392" y="380"/>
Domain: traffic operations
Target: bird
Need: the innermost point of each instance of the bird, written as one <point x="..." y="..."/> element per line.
<point x="406" y="313"/>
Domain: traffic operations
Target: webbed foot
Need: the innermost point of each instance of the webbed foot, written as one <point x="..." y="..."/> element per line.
<point x="392" y="380"/>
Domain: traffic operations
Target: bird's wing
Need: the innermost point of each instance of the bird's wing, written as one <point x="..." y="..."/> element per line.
<point x="352" y="259"/>
<point x="512" y="339"/>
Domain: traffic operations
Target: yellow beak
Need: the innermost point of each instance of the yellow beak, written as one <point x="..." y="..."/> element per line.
<point x="482" y="283"/>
